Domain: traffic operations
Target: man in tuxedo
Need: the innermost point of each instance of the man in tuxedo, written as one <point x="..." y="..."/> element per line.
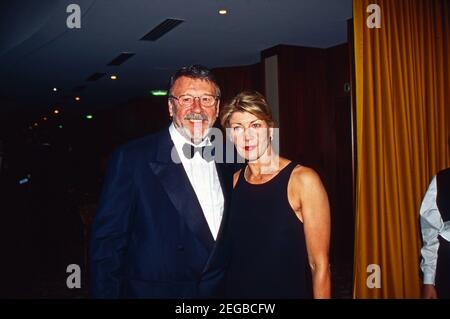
<point x="159" y="228"/>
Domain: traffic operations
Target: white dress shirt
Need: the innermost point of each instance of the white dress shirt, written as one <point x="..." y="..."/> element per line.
<point x="204" y="180"/>
<point x="432" y="226"/>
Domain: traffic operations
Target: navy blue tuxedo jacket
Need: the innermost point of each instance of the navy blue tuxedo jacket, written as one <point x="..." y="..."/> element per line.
<point x="149" y="238"/>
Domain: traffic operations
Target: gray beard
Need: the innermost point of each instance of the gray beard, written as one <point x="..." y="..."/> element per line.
<point x="187" y="134"/>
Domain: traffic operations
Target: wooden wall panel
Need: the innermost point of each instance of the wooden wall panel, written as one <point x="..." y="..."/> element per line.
<point x="233" y="80"/>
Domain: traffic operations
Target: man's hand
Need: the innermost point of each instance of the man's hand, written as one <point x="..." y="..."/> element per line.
<point x="429" y="292"/>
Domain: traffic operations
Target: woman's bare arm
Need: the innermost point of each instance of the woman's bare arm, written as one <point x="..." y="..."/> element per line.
<point x="315" y="214"/>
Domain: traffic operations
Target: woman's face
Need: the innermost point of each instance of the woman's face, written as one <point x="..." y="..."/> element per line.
<point x="250" y="135"/>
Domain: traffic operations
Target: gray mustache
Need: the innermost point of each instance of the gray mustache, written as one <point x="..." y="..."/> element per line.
<point x="196" y="117"/>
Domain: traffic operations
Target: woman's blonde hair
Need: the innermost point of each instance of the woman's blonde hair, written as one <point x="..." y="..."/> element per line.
<point x="248" y="101"/>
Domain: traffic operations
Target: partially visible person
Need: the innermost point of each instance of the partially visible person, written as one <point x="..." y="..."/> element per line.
<point x="279" y="215"/>
<point x="435" y="227"/>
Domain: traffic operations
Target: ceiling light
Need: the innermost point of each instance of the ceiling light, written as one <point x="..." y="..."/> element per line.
<point x="44" y="118"/>
<point x="77" y="98"/>
<point x="113" y="77"/>
<point x="56" y="111"/>
<point x="89" y="116"/>
<point x="222" y="12"/>
<point x="55" y="89"/>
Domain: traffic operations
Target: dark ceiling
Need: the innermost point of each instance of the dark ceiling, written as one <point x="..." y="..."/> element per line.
<point x="38" y="51"/>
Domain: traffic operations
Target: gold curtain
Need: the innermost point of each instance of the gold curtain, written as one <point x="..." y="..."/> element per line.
<point x="402" y="124"/>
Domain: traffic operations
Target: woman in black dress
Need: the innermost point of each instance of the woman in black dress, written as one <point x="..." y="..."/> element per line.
<point x="280" y="216"/>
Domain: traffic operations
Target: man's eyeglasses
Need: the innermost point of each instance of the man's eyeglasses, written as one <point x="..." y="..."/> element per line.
<point x="187" y="100"/>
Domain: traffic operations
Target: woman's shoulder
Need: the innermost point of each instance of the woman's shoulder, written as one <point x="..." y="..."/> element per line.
<point x="236" y="176"/>
<point x="303" y="176"/>
<point x="237" y="173"/>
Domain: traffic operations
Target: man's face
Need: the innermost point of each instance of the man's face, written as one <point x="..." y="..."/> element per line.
<point x="194" y="121"/>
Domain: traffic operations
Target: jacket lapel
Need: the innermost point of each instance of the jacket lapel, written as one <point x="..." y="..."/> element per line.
<point x="176" y="183"/>
<point x="226" y="196"/>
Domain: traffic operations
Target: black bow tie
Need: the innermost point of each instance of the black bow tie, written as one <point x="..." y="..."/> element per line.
<point x="207" y="152"/>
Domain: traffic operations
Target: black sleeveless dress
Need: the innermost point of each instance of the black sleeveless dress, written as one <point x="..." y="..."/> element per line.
<point x="268" y="243"/>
